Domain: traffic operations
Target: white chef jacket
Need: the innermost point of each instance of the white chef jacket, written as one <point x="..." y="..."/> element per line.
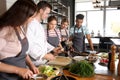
<point x="38" y="45"/>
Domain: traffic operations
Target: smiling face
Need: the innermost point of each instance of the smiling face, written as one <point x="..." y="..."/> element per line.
<point x="44" y="13"/>
<point x="52" y="24"/>
<point x="64" y="25"/>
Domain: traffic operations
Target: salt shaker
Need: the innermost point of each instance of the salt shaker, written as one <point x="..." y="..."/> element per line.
<point x="112" y="62"/>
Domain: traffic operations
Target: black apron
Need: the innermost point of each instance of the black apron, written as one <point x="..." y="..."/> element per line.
<point x="54" y="41"/>
<point x="63" y="43"/>
<point x="78" y="40"/>
<point x="18" y="60"/>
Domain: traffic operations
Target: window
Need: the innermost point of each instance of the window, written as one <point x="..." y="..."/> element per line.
<point x="112" y="22"/>
<point x="94" y="19"/>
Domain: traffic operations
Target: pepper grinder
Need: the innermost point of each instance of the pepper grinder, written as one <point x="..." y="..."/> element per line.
<point x="118" y="68"/>
<point x="112" y="63"/>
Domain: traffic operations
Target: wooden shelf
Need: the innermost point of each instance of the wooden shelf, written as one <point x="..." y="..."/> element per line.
<point x="59" y="9"/>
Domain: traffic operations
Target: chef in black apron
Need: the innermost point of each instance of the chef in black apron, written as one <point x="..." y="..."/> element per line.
<point x="78" y="35"/>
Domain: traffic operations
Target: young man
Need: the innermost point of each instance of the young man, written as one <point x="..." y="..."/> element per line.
<point x="78" y="34"/>
<point x="39" y="47"/>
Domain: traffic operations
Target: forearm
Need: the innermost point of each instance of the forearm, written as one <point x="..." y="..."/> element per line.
<point x="29" y="62"/>
<point x="23" y="72"/>
<point x="90" y="41"/>
<point x="49" y="56"/>
<point x="91" y="44"/>
<point x="46" y="56"/>
<point x="8" y="68"/>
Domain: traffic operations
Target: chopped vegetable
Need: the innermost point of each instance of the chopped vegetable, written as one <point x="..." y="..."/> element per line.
<point x="48" y="70"/>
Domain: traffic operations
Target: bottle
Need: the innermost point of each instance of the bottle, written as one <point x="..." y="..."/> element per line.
<point x="92" y="33"/>
<point x="118" y="67"/>
<point x="112" y="62"/>
<point x="99" y="33"/>
<point x="119" y="34"/>
<point x="109" y="60"/>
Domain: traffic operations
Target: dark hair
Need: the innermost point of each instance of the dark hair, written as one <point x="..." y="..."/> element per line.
<point x="80" y="16"/>
<point x="64" y="20"/>
<point x="50" y="18"/>
<point x="43" y="5"/>
<point x="16" y="15"/>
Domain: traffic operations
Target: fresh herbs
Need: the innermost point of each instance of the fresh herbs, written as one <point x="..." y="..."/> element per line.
<point x="82" y="68"/>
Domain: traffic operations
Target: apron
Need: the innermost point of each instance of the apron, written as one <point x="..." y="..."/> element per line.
<point x="54" y="41"/>
<point x="18" y="60"/>
<point x="78" y="41"/>
<point x="63" y="43"/>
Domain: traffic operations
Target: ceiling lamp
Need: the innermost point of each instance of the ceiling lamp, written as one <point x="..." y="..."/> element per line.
<point x="96" y="3"/>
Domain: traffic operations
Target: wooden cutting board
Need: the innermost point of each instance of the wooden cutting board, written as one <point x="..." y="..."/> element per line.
<point x="95" y="77"/>
<point x="60" y="61"/>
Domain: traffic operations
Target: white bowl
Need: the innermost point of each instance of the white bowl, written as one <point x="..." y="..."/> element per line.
<point x="79" y="58"/>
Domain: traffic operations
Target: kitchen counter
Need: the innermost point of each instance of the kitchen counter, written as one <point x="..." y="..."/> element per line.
<point x="101" y="73"/>
<point x="95" y="77"/>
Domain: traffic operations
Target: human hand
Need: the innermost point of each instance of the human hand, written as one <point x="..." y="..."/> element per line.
<point x="58" y="50"/>
<point x="49" y="56"/>
<point x="24" y="73"/>
<point x="34" y="69"/>
<point x="63" y="39"/>
<point x="71" y="48"/>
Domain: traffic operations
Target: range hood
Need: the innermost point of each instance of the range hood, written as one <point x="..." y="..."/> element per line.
<point x="114" y="3"/>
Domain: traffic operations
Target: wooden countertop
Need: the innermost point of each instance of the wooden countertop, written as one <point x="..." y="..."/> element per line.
<point x="95" y="77"/>
<point x="101" y="73"/>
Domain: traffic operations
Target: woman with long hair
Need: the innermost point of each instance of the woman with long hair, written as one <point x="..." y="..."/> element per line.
<point x="53" y="34"/>
<point x="13" y="42"/>
<point x="64" y="33"/>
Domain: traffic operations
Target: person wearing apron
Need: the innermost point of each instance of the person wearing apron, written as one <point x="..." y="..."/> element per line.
<point x="18" y="60"/>
<point x="53" y="34"/>
<point x="13" y="57"/>
<point x="78" y="34"/>
<point x="63" y="42"/>
<point x="78" y="41"/>
<point x="64" y="33"/>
